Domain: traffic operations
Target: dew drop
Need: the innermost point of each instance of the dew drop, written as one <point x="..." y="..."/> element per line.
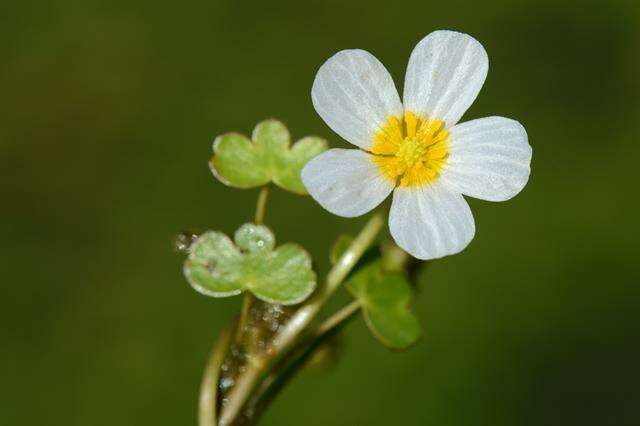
<point x="183" y="241"/>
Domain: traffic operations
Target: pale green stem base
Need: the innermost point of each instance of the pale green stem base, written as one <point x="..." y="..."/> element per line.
<point x="207" y="406"/>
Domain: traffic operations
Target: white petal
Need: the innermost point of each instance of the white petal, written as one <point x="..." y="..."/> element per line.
<point x="430" y="221"/>
<point x="489" y="158"/>
<point x="355" y="95"/>
<point x="346" y="182"/>
<point x="445" y="73"/>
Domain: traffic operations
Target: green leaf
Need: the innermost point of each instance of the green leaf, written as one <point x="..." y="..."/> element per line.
<point x="384" y="298"/>
<point x="267" y="157"/>
<point x="217" y="267"/>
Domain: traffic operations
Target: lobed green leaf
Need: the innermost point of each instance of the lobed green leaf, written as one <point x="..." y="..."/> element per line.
<point x="217" y="267"/>
<point x="384" y="298"/>
<point x="267" y="157"/>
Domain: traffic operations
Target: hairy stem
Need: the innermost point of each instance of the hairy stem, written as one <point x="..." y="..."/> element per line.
<point x="277" y="379"/>
<point x="247" y="381"/>
<point x="207" y="406"/>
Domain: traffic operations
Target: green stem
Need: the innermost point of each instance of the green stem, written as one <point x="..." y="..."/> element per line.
<point x="244" y="317"/>
<point x="337" y="274"/>
<point x="261" y="205"/>
<point x="247" y="381"/>
<point x="337" y="318"/>
<point x="208" y="403"/>
<point x="254" y="363"/>
<point x="394" y="259"/>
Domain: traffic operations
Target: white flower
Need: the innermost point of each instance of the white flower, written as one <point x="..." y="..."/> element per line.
<point x="415" y="149"/>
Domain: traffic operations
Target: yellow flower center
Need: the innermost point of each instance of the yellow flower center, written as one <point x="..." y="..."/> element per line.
<point x="412" y="149"/>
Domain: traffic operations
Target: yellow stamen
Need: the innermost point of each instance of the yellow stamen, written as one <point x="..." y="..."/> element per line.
<point x="413" y="149"/>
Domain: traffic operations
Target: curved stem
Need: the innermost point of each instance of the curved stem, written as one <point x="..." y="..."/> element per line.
<point x="208" y="402"/>
<point x="261" y="205"/>
<point x="248" y="380"/>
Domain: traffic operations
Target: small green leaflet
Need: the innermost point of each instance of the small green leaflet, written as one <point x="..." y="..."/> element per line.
<point x="219" y="268"/>
<point x="267" y="157"/>
<point x="384" y="298"/>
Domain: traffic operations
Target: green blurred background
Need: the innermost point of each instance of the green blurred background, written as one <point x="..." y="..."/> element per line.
<point x="107" y="114"/>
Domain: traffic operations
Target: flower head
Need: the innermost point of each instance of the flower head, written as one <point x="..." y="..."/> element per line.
<point x="416" y="148"/>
